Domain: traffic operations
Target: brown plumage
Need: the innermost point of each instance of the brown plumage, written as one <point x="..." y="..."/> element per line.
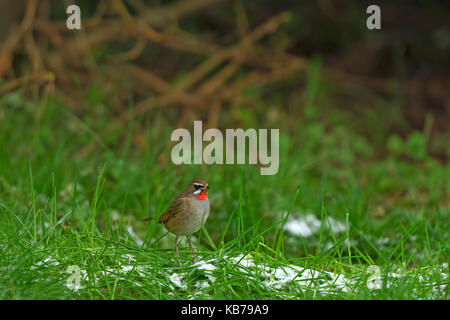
<point x="188" y="212"/>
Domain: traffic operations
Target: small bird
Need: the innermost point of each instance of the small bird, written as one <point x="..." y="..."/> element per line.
<point x="187" y="213"/>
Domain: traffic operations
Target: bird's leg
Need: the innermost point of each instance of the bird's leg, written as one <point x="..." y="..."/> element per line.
<point x="176" y="248"/>
<point x="192" y="250"/>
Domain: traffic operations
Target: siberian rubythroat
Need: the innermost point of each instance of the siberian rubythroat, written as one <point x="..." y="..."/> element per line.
<point x="188" y="212"/>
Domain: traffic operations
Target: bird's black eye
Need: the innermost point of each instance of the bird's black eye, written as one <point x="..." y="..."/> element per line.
<point x="198" y="186"/>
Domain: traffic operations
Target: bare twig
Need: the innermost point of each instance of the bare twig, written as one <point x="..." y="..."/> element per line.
<point x="38" y="78"/>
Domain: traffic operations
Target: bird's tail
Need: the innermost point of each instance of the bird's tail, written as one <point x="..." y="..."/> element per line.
<point x="151" y="219"/>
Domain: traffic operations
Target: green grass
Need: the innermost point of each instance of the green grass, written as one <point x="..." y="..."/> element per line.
<point x="62" y="207"/>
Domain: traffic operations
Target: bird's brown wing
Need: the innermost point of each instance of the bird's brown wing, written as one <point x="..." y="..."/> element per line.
<point x="175" y="208"/>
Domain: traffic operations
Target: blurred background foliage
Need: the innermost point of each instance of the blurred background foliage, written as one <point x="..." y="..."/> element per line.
<point x="234" y="62"/>
<point x="363" y="114"/>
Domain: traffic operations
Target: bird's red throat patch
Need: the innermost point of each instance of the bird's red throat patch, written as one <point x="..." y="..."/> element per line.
<point x="202" y="195"/>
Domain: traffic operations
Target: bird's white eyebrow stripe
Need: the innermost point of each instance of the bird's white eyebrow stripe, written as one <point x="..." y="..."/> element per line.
<point x="198" y="184"/>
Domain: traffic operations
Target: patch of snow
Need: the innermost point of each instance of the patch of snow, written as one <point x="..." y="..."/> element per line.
<point x="207" y="267"/>
<point x="280" y="277"/>
<point x="176" y="279"/>
<point x="126" y="268"/>
<point x="304" y="226"/>
<point x="337" y="226"/>
<point x="49" y="261"/>
<point x="246" y="261"/>
<point x="202" y="285"/>
<point x="203" y="265"/>
<point x="307" y="225"/>
<point x="135" y="237"/>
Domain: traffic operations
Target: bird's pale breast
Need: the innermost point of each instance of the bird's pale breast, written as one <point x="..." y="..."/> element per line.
<point x="195" y="214"/>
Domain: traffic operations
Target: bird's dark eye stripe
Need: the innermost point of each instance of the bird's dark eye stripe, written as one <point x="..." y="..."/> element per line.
<point x="197" y="185"/>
